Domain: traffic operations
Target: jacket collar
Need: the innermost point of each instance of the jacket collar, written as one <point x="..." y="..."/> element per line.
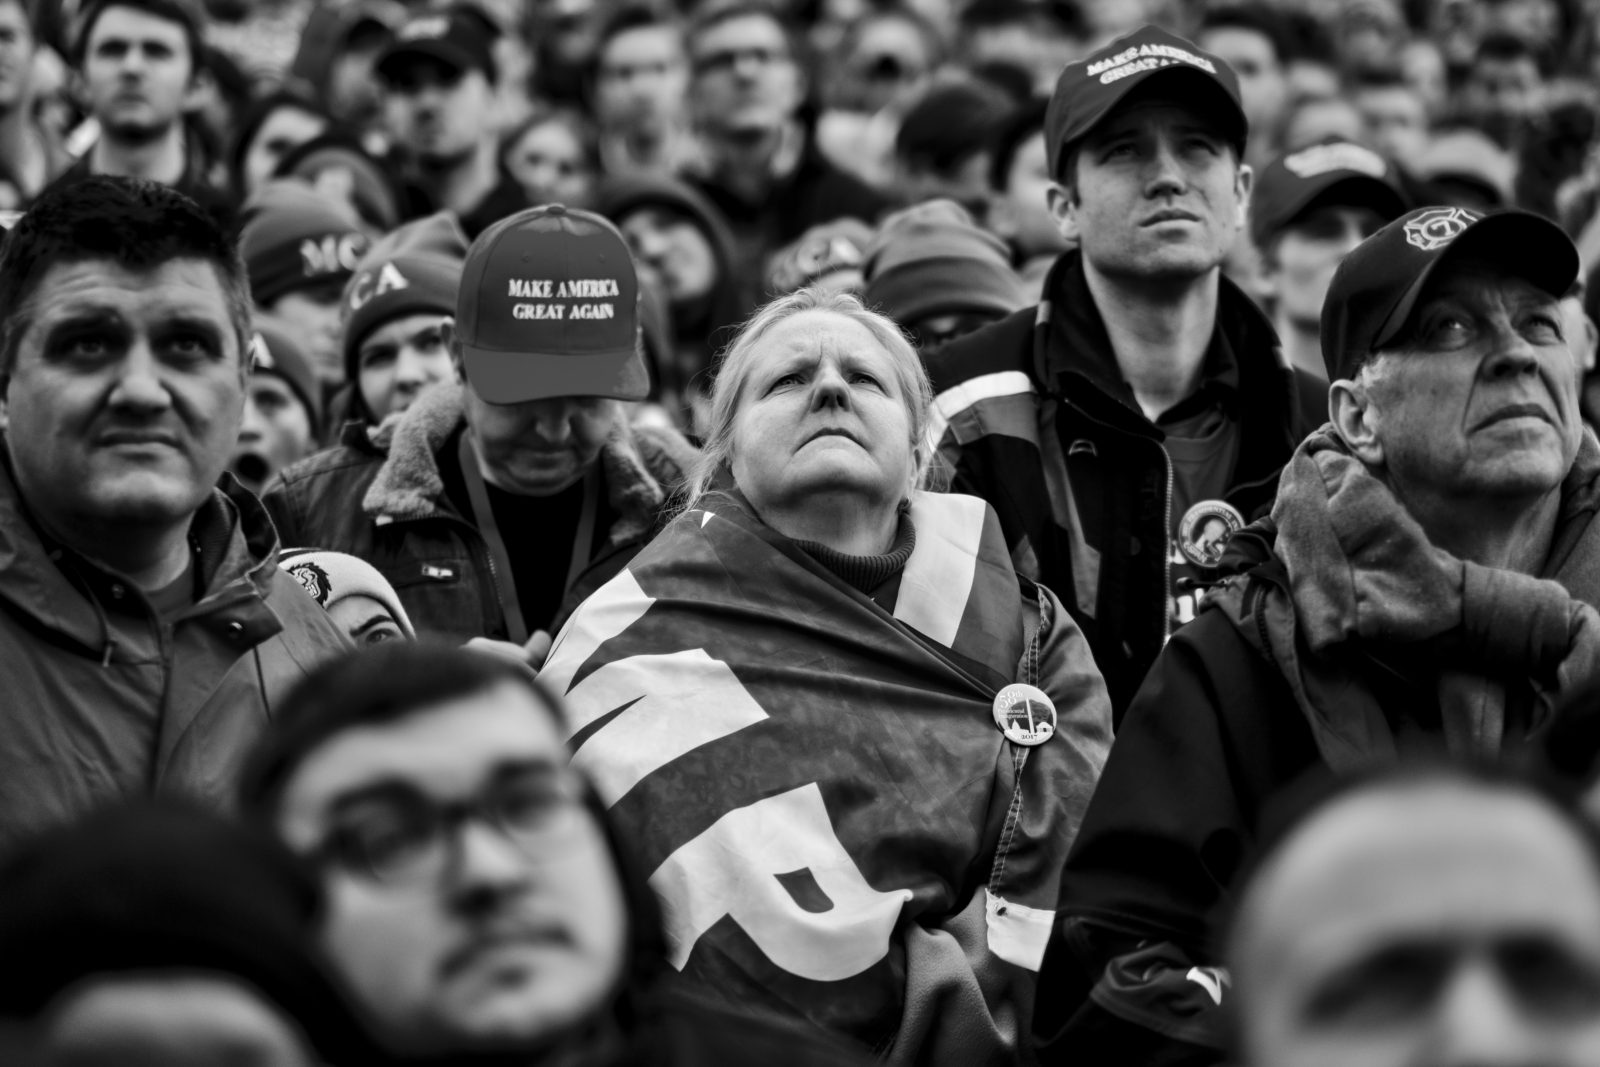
<point x="64" y="591"/>
<point x="1071" y="349"/>
<point x="639" y="471"/>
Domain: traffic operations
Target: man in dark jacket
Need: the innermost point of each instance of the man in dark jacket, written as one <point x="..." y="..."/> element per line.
<point x="493" y="508"/>
<point x="1424" y="584"/>
<point x="148" y="632"/>
<point x="480" y="904"/>
<point x="1145" y="394"/>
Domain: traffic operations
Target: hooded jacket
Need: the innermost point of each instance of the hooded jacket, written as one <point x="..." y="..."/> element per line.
<point x="1236" y="710"/>
<point x="379" y="496"/>
<point x="1032" y="415"/>
<point x="84" y="649"/>
<point x="701" y="329"/>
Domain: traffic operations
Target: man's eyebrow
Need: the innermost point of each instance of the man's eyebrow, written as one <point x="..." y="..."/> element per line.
<point x="88" y="318"/>
<point x="376" y="620"/>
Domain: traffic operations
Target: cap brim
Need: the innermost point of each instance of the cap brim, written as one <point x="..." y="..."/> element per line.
<point x="517" y="377"/>
<point x="399" y="54"/>
<point x="1343" y="190"/>
<point x="1526" y="245"/>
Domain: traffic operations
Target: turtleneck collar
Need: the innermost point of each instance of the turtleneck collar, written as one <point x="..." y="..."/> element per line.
<point x="866" y="573"/>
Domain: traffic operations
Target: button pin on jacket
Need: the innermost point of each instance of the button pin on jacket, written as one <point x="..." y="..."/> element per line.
<point x="1025" y="714"/>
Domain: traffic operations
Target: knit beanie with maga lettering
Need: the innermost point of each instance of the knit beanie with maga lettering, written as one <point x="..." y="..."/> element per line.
<point x="293" y="239"/>
<point x="414" y="270"/>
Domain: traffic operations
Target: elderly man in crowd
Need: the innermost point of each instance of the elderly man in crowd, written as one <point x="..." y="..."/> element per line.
<point x="1424" y="583"/>
<point x="1425" y="917"/>
<point x="479" y="902"/>
<point x="495" y="507"/>
<point x="147" y="628"/>
<point x="1145" y="393"/>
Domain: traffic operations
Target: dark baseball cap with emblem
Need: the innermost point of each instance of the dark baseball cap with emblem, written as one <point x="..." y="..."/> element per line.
<point x="1376" y="287"/>
<point x="548" y="307"/>
<point x="456" y="37"/>
<point x="1331" y="172"/>
<point x="1089" y="89"/>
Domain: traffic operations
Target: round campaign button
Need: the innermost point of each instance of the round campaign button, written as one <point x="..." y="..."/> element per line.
<point x="1025" y="714"/>
<point x="1205" y="529"/>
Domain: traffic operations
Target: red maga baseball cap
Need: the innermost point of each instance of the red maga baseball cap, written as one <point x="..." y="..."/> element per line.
<point x="1087" y="90"/>
<point x="548" y="307"/>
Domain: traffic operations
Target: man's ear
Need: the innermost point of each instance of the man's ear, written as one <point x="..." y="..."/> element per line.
<point x="1064" y="209"/>
<point x="1357" y="420"/>
<point x="1244" y="184"/>
<point x="452" y="344"/>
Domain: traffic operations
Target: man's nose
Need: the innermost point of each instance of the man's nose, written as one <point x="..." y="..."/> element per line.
<point x="1513" y="355"/>
<point x="1166" y="176"/>
<point x="488" y="868"/>
<point x="138" y="385"/>
<point x="1478" y="1023"/>
<point x="411" y="367"/>
<point x="551" y="420"/>
<point x="253" y="427"/>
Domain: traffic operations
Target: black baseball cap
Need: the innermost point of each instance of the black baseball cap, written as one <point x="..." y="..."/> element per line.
<point x="457" y="37"/>
<point x="1087" y="90"/>
<point x="1377" y="285"/>
<point x="548" y="307"/>
<point x="1333" y="171"/>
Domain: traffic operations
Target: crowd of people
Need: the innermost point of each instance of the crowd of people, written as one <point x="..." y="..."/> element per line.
<point x="622" y="532"/>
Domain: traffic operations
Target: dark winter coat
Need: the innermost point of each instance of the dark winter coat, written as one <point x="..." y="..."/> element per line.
<point x="1031" y="414"/>
<point x="379" y="496"/>
<point x="83" y="648"/>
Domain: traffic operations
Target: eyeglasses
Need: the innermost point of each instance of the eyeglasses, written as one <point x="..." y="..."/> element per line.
<point x="397" y="835"/>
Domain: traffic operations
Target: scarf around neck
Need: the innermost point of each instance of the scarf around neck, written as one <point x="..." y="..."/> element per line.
<point x="1506" y="651"/>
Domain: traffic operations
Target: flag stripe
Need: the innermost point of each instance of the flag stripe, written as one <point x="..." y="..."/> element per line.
<point x="937" y="580"/>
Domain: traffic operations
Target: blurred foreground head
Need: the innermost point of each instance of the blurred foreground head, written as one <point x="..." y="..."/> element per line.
<point x="1422" y="918"/>
<point x="476" y="903"/>
<point x="157" y="933"/>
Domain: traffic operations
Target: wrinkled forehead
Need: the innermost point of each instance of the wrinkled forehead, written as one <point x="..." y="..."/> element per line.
<point x="1432" y="865"/>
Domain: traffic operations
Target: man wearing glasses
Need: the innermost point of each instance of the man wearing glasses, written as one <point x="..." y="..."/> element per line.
<point x="477" y="901"/>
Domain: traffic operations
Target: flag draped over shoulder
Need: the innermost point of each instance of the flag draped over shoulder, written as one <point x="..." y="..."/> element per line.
<point x="806" y="775"/>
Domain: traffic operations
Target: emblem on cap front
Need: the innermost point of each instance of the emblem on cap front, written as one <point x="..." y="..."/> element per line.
<point x="1431" y="230"/>
<point x="314" y="580"/>
<point x="1025" y="714"/>
<point x="1204" y="531"/>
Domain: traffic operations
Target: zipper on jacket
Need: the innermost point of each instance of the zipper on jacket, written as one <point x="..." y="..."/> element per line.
<point x="1166" y="552"/>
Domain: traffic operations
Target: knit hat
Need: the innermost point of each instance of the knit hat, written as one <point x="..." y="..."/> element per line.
<point x="373" y="190"/>
<point x="276" y="352"/>
<point x="163" y="885"/>
<point x="549" y="307"/>
<point x="932" y="259"/>
<point x="332" y="576"/>
<point x="414" y="270"/>
<point x="293" y="239"/>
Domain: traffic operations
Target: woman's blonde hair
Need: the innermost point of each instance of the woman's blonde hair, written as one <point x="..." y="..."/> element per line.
<point x="742" y="355"/>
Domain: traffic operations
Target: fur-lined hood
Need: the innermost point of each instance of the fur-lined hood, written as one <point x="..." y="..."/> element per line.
<point x="643" y="466"/>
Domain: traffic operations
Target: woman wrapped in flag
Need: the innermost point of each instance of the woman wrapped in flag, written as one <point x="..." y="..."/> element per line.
<point x="848" y="744"/>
